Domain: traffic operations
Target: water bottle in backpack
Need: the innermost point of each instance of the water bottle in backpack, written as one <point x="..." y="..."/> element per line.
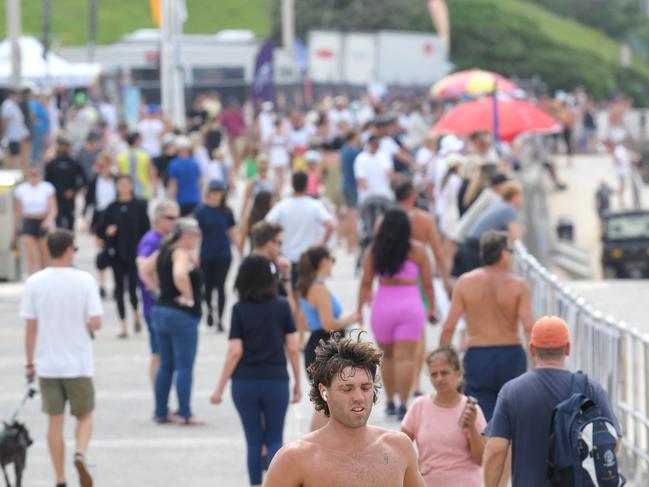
<point x="582" y="442"/>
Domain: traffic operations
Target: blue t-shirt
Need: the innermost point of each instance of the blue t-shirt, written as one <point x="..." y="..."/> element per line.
<point x="262" y="327"/>
<point x="348" y="155"/>
<point x="40" y="122"/>
<point x="497" y="217"/>
<point x="523" y="414"/>
<point x="215" y="223"/>
<point x="187" y="174"/>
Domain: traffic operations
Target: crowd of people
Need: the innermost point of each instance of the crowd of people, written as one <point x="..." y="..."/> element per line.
<point x="365" y="177"/>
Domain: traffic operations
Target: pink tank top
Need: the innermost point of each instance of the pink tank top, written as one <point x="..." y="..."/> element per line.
<point x="409" y="271"/>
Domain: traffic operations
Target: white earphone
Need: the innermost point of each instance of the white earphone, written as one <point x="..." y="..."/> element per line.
<point x="324" y="395"/>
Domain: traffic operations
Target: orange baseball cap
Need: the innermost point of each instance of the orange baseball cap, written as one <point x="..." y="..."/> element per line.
<point x="549" y="333"/>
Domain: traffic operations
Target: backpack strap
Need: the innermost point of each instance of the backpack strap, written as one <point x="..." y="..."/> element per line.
<point x="579" y="383"/>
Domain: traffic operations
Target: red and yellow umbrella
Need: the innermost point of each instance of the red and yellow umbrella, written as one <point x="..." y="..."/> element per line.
<point x="514" y="117"/>
<point x="472" y="83"/>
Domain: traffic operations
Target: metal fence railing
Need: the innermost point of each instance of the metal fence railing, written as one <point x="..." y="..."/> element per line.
<point x="609" y="351"/>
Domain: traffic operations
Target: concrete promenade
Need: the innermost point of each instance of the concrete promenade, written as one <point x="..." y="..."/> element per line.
<point x="128" y="449"/>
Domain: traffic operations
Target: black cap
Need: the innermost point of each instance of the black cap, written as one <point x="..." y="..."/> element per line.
<point x="60" y="140"/>
<point x="499" y="178"/>
<point x="373" y="138"/>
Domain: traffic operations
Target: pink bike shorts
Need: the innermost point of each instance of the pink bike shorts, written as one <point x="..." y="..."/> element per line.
<point x="398" y="314"/>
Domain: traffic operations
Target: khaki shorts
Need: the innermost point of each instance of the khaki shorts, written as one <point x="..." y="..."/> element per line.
<point x="79" y="391"/>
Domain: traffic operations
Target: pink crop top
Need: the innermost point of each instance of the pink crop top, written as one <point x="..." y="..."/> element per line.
<point x="409" y="272"/>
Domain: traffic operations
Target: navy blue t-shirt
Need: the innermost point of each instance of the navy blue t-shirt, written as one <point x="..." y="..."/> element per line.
<point x="215" y="223"/>
<point x="187" y="174"/>
<point x="523" y="414"/>
<point x="348" y="155"/>
<point x="262" y="327"/>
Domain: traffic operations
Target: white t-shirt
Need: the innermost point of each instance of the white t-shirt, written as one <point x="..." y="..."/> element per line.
<point x="16" y="128"/>
<point x="266" y="122"/>
<point x="151" y="130"/>
<point x="622" y="160"/>
<point x="62" y="300"/>
<point x="423" y="157"/>
<point x="34" y="199"/>
<point x="375" y="169"/>
<point x="301" y="218"/>
<point x="388" y="146"/>
<point x="108" y="112"/>
<point x="299" y="138"/>
<point x="105" y="193"/>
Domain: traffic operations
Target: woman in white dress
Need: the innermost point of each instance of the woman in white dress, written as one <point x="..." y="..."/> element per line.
<point x="278" y="153"/>
<point x="446" y="207"/>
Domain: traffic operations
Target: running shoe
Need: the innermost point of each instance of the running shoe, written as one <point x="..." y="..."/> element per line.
<point x="390" y="409"/>
<point x="210" y="319"/>
<point x="85" y="479"/>
<point x="401" y="413"/>
<point x="102" y="293"/>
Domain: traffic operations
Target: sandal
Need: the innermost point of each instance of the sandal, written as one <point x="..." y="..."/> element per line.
<point x="167" y="420"/>
<point x="85" y="479"/>
<point x="193" y="421"/>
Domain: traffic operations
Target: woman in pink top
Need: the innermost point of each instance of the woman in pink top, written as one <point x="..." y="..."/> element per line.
<point x="447" y="426"/>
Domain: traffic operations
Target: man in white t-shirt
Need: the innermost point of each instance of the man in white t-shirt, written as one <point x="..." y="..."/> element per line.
<point x="373" y="171"/>
<point x="305" y="220"/>
<point x="14" y="129"/>
<point x="151" y="128"/>
<point x="62" y="309"/>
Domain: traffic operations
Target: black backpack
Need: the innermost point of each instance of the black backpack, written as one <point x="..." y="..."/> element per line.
<point x="582" y="442"/>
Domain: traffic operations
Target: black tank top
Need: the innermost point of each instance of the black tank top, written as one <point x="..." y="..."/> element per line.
<point x="168" y="290"/>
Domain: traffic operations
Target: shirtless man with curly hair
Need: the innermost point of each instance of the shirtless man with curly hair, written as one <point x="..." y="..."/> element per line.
<point x="346" y="451"/>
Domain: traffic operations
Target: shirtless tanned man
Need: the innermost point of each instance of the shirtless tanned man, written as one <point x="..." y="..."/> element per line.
<point x="493" y="302"/>
<point x="346" y="451"/>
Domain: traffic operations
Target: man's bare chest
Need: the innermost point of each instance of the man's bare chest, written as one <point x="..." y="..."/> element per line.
<point x="375" y="468"/>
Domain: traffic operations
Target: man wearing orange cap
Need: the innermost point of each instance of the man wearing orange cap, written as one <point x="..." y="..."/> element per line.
<point x="524" y="409"/>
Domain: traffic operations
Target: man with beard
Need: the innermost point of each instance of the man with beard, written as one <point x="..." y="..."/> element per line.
<point x="345" y="452"/>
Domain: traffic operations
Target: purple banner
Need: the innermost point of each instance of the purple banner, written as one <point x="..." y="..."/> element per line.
<point x="263" y="86"/>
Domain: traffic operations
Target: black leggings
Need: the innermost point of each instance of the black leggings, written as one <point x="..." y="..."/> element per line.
<point x="215" y="271"/>
<point x="65" y="214"/>
<point x="122" y="270"/>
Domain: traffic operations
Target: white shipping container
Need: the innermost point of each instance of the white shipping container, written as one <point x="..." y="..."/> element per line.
<point x="359" y="58"/>
<point x="411" y="58"/>
<point x="325" y="56"/>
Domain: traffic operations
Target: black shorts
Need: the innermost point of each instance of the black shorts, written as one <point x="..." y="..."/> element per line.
<point x="32" y="227"/>
<point x="309" y="349"/>
<point x="14" y="147"/>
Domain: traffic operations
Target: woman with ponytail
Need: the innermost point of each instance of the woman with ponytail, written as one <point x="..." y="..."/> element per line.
<point x="322" y="310"/>
<point x="176" y="317"/>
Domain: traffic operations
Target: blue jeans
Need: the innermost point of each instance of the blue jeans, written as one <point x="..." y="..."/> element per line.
<point x="262" y="406"/>
<point x="177" y="343"/>
<point x="153" y="334"/>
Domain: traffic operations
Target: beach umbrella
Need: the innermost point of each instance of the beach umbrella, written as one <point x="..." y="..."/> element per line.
<point x="471" y="83"/>
<point x="514" y="117"/>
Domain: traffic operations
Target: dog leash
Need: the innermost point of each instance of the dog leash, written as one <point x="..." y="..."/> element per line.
<point x="31" y="392"/>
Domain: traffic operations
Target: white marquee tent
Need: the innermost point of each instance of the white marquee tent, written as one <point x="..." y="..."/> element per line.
<point x="50" y="71"/>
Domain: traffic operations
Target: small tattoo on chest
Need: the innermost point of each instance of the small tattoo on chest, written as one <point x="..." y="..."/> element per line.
<point x="385" y="457"/>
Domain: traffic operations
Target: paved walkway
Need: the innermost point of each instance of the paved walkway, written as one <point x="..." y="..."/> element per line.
<point x="128" y="449"/>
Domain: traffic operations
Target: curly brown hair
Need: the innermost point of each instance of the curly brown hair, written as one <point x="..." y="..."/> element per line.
<point x="333" y="356"/>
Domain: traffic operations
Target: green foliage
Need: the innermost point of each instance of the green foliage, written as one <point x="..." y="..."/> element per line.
<point x="119" y="17"/>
